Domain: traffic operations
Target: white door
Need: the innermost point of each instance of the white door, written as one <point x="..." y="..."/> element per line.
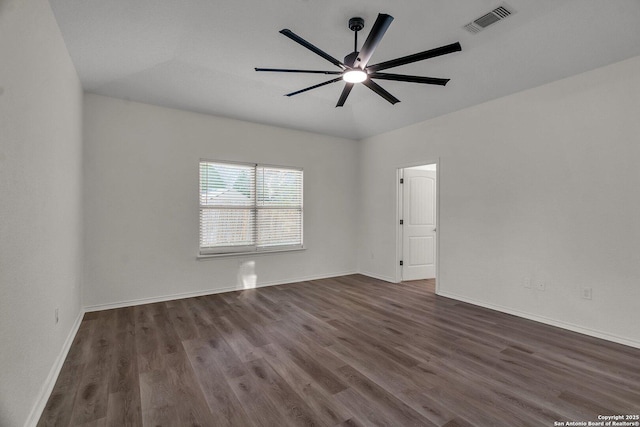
<point x="419" y="224"/>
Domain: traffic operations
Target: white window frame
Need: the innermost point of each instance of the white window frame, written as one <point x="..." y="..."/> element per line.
<point x="211" y="252"/>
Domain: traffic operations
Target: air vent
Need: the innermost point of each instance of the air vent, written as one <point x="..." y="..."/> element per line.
<point x="490" y="18"/>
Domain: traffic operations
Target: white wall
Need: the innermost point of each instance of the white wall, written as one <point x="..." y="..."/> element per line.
<point x="544" y="183"/>
<point x="40" y="207"/>
<point x="141" y="200"/>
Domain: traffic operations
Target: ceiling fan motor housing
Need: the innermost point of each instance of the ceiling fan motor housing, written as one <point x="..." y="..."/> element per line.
<point x="356" y="24"/>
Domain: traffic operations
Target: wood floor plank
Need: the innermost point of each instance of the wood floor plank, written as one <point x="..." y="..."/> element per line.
<point x="59" y="407"/>
<point x="429" y="408"/>
<point x="325" y="377"/>
<point x="365" y="409"/>
<point x="253" y="332"/>
<point x="328" y="410"/>
<point x="393" y="376"/>
<point x="281" y="394"/>
<point x="148" y="352"/>
<point x="372" y="343"/>
<point x="124" y="370"/>
<point x="351" y="422"/>
<point x="155" y="390"/>
<point x="226" y="359"/>
<point x="260" y="410"/>
<point x="91" y="399"/>
<point x="385" y="400"/>
<point x="211" y="377"/>
<point x="236" y="339"/>
<point x="101" y="422"/>
<point x="199" y="313"/>
<point x="189" y="402"/>
<point x="165" y="326"/>
<point x="344" y="351"/>
<point x="124" y="409"/>
<point x="182" y="320"/>
<point x="165" y="416"/>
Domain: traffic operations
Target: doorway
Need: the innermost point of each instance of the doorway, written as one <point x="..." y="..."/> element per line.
<point x="417" y="224"/>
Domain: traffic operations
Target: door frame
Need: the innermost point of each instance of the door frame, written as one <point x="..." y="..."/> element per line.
<point x="399" y="204"/>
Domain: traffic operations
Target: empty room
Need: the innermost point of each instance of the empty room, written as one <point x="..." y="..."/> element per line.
<point x="339" y="213"/>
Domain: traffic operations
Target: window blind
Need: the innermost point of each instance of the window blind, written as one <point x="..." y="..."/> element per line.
<point x="279" y="219"/>
<point x="249" y="207"/>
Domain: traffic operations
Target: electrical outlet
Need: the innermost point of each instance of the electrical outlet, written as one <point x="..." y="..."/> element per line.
<point x="527" y="282"/>
<point x="57" y="316"/>
<point x="587" y="293"/>
<point x="541" y="285"/>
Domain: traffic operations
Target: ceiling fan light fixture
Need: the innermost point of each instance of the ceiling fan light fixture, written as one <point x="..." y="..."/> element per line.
<point x="354" y="76"/>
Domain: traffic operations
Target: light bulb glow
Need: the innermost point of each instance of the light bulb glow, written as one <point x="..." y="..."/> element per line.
<point x="354" y="76"/>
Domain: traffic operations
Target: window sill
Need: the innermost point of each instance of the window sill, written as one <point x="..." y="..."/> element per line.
<point x="204" y="257"/>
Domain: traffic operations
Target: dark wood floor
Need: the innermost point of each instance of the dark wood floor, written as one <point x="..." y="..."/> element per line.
<point x="347" y="351"/>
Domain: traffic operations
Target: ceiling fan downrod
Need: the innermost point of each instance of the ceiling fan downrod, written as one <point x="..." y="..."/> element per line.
<point x="355" y="24"/>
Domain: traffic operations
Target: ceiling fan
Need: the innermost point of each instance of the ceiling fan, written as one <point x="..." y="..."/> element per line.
<point x="355" y="68"/>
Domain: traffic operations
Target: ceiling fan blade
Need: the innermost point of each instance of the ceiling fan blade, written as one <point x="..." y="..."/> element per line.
<point x="345" y="92"/>
<point x="378" y="89"/>
<point x="314" y="86"/>
<point x="432" y="53"/>
<point x="410" y="79"/>
<point x="373" y="39"/>
<point x="287" y="70"/>
<point x="312" y="48"/>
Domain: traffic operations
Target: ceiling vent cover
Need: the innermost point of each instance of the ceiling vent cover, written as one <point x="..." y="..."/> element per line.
<point x="490" y="18"/>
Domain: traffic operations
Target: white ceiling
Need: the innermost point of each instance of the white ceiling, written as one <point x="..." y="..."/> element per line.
<point x="199" y="55"/>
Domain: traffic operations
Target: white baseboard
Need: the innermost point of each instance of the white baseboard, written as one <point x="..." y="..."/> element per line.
<point x="151" y="300"/>
<point x="47" y="387"/>
<point x="546" y="320"/>
<point x="378" y="276"/>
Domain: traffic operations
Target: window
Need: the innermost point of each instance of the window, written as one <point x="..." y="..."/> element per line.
<point x="249" y="208"/>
